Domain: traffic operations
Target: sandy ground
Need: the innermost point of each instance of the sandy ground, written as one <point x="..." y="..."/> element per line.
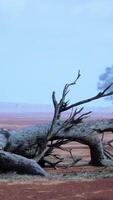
<point x="58" y="190"/>
<point x="78" y="182"/>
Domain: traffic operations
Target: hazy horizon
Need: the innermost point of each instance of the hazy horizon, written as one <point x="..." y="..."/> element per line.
<point x="43" y="108"/>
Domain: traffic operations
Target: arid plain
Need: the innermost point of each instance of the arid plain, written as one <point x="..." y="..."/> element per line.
<point x="78" y="182"/>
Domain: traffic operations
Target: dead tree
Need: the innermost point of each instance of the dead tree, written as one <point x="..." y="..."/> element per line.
<point x="27" y="149"/>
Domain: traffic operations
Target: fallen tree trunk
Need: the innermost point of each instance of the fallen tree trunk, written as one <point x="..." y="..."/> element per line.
<point x="11" y="161"/>
<point x="20" y="145"/>
<point x="26" y="148"/>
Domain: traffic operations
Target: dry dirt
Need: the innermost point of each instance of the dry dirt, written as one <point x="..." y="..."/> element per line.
<point x="76" y="183"/>
<point x="60" y="190"/>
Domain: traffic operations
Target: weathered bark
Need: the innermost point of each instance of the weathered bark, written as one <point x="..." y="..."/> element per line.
<point x="11" y="161"/>
<point x="20" y="145"/>
<point x="87" y="133"/>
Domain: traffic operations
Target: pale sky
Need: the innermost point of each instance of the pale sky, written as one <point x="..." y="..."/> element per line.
<point x="43" y="43"/>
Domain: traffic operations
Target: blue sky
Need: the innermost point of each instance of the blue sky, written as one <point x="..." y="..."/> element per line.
<point x="43" y="43"/>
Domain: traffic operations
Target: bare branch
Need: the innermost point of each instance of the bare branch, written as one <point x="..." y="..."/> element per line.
<point x="98" y="96"/>
<point x="107" y="88"/>
<point x="58" y="106"/>
<point x="75" y="116"/>
<point x="108" y="154"/>
<point x="54" y="99"/>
